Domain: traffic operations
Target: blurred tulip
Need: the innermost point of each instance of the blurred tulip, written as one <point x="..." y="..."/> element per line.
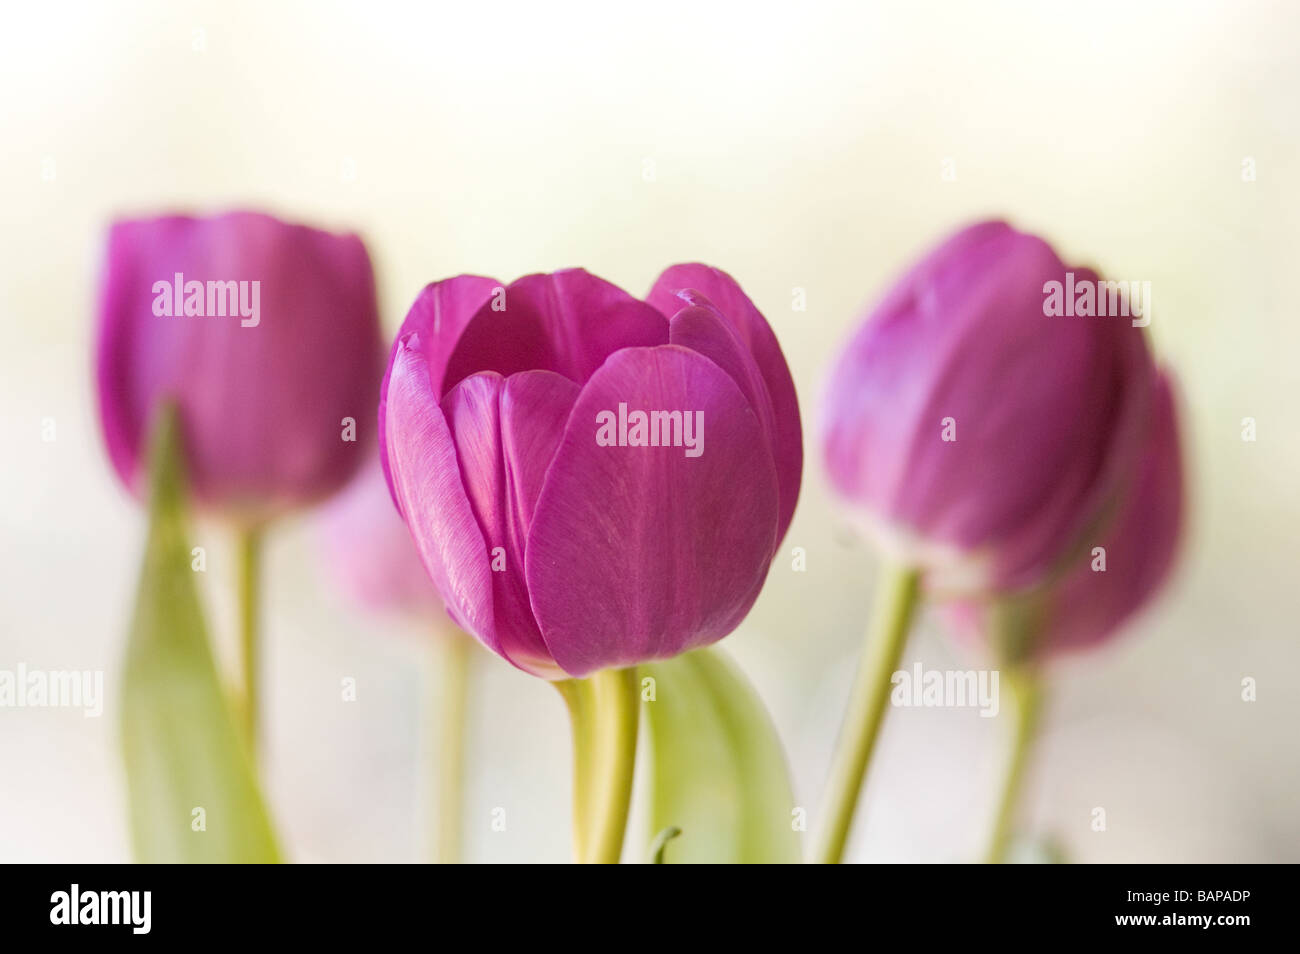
<point x="369" y="551"/>
<point x="983" y="435"/>
<point x="1101" y="583"/>
<point x="562" y="555"/>
<point x="979" y="436"/>
<point x="1112" y="579"/>
<point x="266" y="335"/>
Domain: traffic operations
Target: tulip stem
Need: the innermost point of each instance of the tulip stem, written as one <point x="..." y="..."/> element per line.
<point x="577" y="697"/>
<point x="454" y="658"/>
<point x="1026" y="702"/>
<point x="250" y="546"/>
<point x="896" y="599"/>
<point x="604" y="709"/>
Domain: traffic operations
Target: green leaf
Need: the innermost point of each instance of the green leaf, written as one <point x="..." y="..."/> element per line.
<point x="717" y="770"/>
<point x="183" y="747"/>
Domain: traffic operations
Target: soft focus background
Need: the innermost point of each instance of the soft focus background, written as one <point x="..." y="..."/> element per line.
<point x="799" y="146"/>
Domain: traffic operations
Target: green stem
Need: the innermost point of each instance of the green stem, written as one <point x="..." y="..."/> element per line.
<point x="454" y="651"/>
<point x="250" y="546"/>
<point x="603" y="709"/>
<point x="577" y="697"/>
<point x="1026" y="697"/>
<point x="896" y="599"/>
<point x="661" y="842"/>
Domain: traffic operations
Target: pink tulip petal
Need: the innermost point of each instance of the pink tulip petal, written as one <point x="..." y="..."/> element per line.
<point x="438" y="317"/>
<point x="756" y="335"/>
<point x="506" y="431"/>
<point x="640" y="553"/>
<point x="568" y="322"/>
<point x="701" y="328"/>
<point x="427" y="482"/>
<point x="1140" y="542"/>
<point x="1089" y="605"/>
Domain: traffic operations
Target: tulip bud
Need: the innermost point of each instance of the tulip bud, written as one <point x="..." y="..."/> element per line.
<point x="265" y="335"/>
<point x="592" y="480"/>
<point x="369" y="551"/>
<point x="977" y="434"/>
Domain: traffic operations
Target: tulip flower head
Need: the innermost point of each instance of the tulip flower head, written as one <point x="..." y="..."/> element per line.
<point x="976" y="435"/>
<point x="535" y="440"/>
<point x="265" y="335"/>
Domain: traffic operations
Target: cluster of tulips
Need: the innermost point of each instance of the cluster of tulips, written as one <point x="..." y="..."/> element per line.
<point x="1021" y="471"/>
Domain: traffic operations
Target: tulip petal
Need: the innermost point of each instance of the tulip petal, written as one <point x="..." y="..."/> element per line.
<point x="700" y="327"/>
<point x="568" y="322"/>
<point x="427" y="483"/>
<point x="756" y="335"/>
<point x="438" y="317"/>
<point x="1087" y="605"/>
<point x="640" y="553"/>
<point x="506" y="431"/>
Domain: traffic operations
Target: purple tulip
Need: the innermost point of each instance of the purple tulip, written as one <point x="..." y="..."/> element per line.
<point x="368" y="549"/>
<point x="1116" y="574"/>
<point x="512" y="446"/>
<point x="266" y="335"/>
<point x="978" y="435"/>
